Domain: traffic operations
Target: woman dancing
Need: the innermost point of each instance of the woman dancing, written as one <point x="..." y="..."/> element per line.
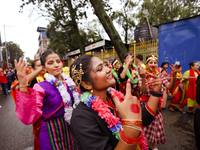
<point x="97" y="120"/>
<point x="177" y="90"/>
<point x="115" y="68"/>
<point x="155" y="131"/>
<point x="127" y="71"/>
<point x="51" y="100"/>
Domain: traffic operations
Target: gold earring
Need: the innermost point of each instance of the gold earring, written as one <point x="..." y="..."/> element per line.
<point x="91" y="91"/>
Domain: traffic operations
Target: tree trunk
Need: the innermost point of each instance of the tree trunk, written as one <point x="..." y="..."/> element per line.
<point x="109" y="28"/>
<point x="75" y="27"/>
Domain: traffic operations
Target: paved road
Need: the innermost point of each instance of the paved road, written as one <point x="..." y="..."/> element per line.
<point x="16" y="136"/>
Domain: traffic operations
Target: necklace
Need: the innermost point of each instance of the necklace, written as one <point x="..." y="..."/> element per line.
<point x="110" y="103"/>
<point x="68" y="105"/>
<point x="114" y="123"/>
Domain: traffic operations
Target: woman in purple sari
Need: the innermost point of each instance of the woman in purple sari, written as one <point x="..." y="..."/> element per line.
<point x="52" y="100"/>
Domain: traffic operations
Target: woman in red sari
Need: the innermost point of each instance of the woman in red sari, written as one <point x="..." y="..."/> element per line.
<point x="177" y="90"/>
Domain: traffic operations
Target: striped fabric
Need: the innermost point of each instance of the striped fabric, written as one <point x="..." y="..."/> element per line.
<point x="60" y="135"/>
<point x="155" y="131"/>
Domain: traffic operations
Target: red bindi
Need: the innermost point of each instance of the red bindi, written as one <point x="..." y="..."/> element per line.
<point x="135" y="108"/>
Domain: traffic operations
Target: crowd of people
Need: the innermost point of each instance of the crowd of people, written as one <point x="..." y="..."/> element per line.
<point x="98" y="104"/>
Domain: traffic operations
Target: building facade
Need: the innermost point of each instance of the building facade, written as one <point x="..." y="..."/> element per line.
<point x="43" y="41"/>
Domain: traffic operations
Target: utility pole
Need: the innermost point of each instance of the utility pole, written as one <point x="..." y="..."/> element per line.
<point x="16" y="55"/>
<point x="6" y="47"/>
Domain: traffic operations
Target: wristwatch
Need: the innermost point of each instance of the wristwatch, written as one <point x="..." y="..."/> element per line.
<point x="156" y="94"/>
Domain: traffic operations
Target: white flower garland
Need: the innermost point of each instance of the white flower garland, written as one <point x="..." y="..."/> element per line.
<point x="65" y="95"/>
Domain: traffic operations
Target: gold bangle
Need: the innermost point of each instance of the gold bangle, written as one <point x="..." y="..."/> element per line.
<point x="133" y="127"/>
<point x="23" y="86"/>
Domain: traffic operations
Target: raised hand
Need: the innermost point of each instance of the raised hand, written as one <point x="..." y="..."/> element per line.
<point x="142" y="72"/>
<point x="155" y="83"/>
<point x="174" y="69"/>
<point x="130" y="108"/>
<point x="129" y="59"/>
<point x="22" y="72"/>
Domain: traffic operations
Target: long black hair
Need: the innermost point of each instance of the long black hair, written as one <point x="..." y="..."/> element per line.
<point x="164" y="63"/>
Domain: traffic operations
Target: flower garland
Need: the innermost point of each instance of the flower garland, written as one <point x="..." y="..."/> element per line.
<point x="114" y="123"/>
<point x="116" y="76"/>
<point x="133" y="81"/>
<point x="68" y="107"/>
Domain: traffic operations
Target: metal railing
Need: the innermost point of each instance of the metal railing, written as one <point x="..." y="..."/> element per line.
<point x="144" y="48"/>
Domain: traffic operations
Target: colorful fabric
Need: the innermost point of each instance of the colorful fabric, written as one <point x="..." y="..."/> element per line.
<point x="3" y="78"/>
<point x="128" y="74"/>
<point x="191" y="91"/>
<point x="155" y="131"/>
<point x="176" y="93"/>
<point x="42" y="100"/>
<point x="36" y="132"/>
<point x="60" y="135"/>
<point x="114" y="123"/>
<point x="190" y="102"/>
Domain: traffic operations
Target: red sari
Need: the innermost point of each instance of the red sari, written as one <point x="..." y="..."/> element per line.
<point x="176" y="92"/>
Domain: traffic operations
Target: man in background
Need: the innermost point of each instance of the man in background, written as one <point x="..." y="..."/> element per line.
<point x="4" y="82"/>
<point x="139" y="60"/>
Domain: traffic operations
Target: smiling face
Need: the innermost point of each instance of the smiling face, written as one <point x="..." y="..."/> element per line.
<point x="101" y="75"/>
<point x="53" y="65"/>
<point x="152" y="64"/>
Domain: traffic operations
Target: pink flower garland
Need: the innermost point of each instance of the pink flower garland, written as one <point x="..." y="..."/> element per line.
<point x="104" y="112"/>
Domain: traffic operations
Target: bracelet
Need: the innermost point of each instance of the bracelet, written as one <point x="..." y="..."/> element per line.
<point x="23" y="86"/>
<point x="131" y="123"/>
<point x="127" y="140"/>
<point x="133" y="127"/>
<point x="156" y="94"/>
<point x="132" y="119"/>
<point x="150" y="110"/>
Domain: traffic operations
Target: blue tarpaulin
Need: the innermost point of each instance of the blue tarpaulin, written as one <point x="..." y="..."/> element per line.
<point x="179" y="42"/>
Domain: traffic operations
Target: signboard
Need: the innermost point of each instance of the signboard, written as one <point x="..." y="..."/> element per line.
<point x="74" y="52"/>
<point x="95" y="45"/>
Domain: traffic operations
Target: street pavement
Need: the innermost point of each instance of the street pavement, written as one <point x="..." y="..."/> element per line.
<point x="14" y="135"/>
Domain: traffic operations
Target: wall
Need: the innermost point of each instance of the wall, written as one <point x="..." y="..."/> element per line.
<point x="180" y="42"/>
